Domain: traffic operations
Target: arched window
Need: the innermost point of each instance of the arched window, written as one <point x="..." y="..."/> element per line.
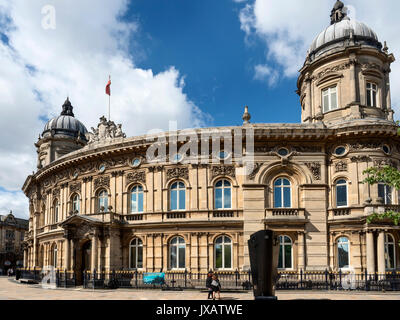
<point x="390" y="252"/>
<point x="178" y="196"/>
<point x="223" y="195"/>
<point x="223" y="253"/>
<point x="372" y="90"/>
<point x="341" y="193"/>
<point x="54" y="255"/>
<point x="136" y="254"/>
<point x="282" y="193"/>
<point x="385" y="192"/>
<point x="177" y="253"/>
<point x="56" y="209"/>
<point x="137" y="199"/>
<point x="76" y="203"/>
<point x="285" y="253"/>
<point x="103" y="200"/>
<point x="343" y="252"/>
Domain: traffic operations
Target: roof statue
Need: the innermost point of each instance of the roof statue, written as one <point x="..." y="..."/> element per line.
<point x="106" y="130"/>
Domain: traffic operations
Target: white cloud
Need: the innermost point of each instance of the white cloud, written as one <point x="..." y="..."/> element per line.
<point x="263" y="72"/>
<point x="15" y="202"/>
<point x="288" y="27"/>
<point x="89" y="43"/>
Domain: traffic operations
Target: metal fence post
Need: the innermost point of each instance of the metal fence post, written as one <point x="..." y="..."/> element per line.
<point x="58" y="278"/>
<point x="326" y="279"/>
<point x="136" y="282"/>
<point x="84" y="279"/>
<point x="185" y="278"/>
<point x="301" y="279"/>
<point x="236" y="277"/>
<point x="366" y="279"/>
<point x="340" y="278"/>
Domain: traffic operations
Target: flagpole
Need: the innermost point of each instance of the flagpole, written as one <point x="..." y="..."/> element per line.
<point x="109" y="104"/>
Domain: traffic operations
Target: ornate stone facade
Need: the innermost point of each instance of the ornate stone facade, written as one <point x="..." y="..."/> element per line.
<point x="301" y="180"/>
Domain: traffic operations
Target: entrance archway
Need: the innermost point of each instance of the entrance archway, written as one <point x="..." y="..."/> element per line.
<point x="83" y="254"/>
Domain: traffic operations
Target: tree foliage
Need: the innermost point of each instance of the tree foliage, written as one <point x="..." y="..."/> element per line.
<point x="391" y="177"/>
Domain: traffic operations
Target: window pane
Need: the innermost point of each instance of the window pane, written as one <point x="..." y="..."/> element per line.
<point x="218" y="256"/>
<point x="388" y="197"/>
<point x="369" y="98"/>
<point x="182" y="257"/>
<point x="278" y="197"/>
<point x="288" y="256"/>
<point x="174" y="203"/>
<point x="341" y="195"/>
<point x="326" y="103"/>
<point x="286" y="197"/>
<point x="182" y="204"/>
<point x="133" y="203"/>
<point x="333" y="100"/>
<point x="374" y="98"/>
<point x="218" y="198"/>
<point x="140" y="257"/>
<point x="173" y="257"/>
<point x="343" y="255"/>
<point x="133" y="257"/>
<point x="140" y="204"/>
<point x="228" y="255"/>
<point x="227" y="198"/>
<point x="280" y="261"/>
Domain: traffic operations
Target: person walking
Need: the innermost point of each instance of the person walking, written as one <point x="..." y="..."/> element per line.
<point x="208" y="285"/>
<point x="216" y="287"/>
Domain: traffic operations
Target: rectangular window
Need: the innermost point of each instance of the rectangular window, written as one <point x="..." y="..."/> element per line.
<point x="341" y="196"/>
<point x="385" y="192"/>
<point x="182" y="257"/>
<point x="372" y="90"/>
<point x="329" y="99"/>
<point x="218" y="256"/>
<point x="278" y="197"/>
<point x="227" y="198"/>
<point x="218" y="198"/>
<point x="227" y="258"/>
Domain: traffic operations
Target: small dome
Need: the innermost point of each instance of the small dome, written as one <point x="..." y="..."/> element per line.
<point x="65" y="124"/>
<point x="336" y="34"/>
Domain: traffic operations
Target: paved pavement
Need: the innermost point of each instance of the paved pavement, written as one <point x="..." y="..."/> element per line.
<point x="12" y="290"/>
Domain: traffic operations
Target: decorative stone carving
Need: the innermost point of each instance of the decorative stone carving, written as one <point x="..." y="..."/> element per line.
<point x="360" y="159"/>
<point x="101" y="182"/>
<point x="384" y="162"/>
<point x="56" y="192"/>
<point x="106" y="130"/>
<point x="76" y="187"/>
<point x="310" y="149"/>
<point x="139" y="176"/>
<point x="223" y="171"/>
<point x="363" y="146"/>
<point x="155" y="169"/>
<point x="177" y="173"/>
<point x="315" y="168"/>
<point x="337" y="68"/>
<point x="256" y="169"/>
<point x="341" y="166"/>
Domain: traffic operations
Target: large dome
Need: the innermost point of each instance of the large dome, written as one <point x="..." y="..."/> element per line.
<point x="65" y="124"/>
<point x="342" y="32"/>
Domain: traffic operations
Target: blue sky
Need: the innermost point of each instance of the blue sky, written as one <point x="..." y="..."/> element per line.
<point x="204" y="41"/>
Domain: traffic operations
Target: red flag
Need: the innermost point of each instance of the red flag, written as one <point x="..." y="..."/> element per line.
<point x="108" y="87"/>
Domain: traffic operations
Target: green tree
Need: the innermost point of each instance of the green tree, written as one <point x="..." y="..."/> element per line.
<point x="391" y="177"/>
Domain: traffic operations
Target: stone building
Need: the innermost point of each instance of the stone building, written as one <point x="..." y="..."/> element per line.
<point x="12" y="232"/>
<point x="98" y="201"/>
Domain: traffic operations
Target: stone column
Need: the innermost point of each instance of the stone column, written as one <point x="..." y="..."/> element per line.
<point x="25" y="258"/>
<point x="370" y="252"/>
<point x="94" y="252"/>
<point x="353" y="79"/>
<point x="67" y="253"/>
<point x="308" y="102"/>
<point x="72" y="247"/>
<point x="301" y="237"/>
<point x="381" y="252"/>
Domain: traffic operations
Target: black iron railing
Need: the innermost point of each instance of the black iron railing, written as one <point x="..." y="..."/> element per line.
<point x="302" y="280"/>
